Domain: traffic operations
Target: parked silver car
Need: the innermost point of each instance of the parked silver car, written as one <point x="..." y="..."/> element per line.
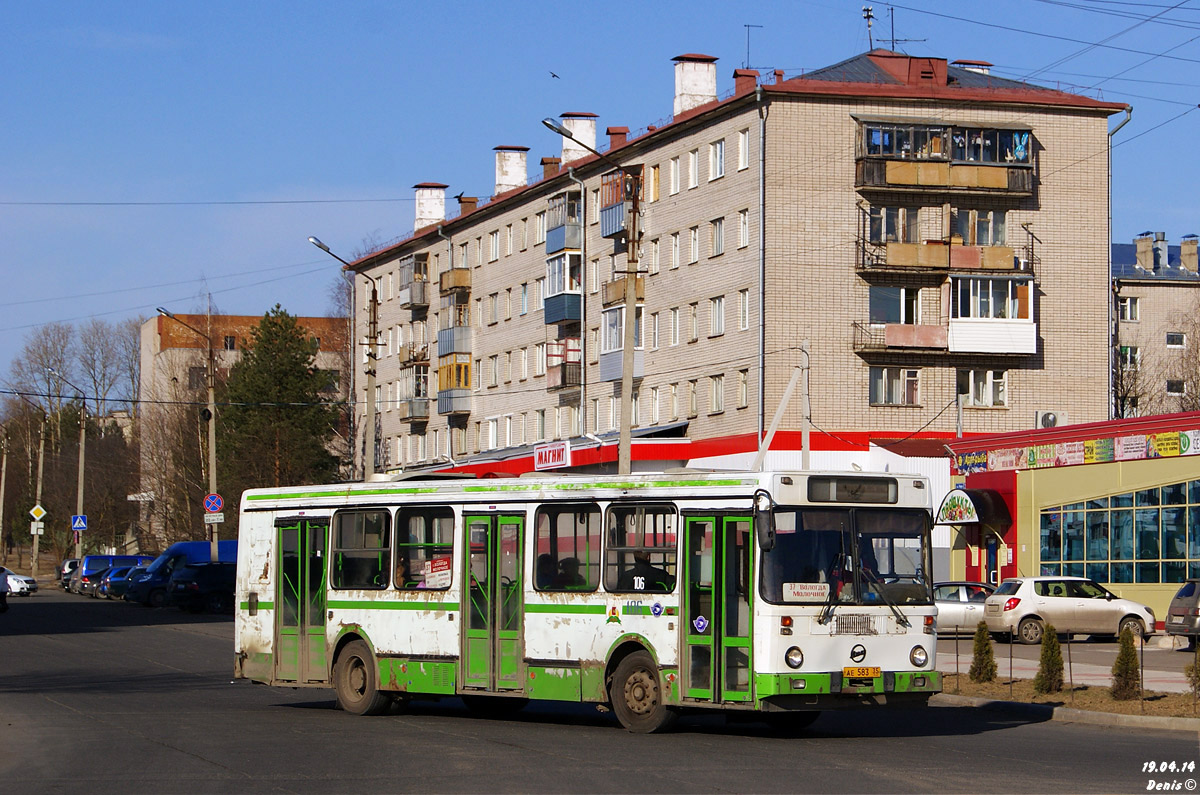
<point x="19" y="584"/>
<point x="1183" y="615"/>
<point x="1022" y="606"/>
<point x="960" y="606"/>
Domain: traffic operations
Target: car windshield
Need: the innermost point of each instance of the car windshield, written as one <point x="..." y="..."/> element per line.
<point x="842" y="555"/>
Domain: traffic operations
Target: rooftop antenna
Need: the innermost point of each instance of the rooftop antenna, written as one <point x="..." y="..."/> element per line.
<point x="893" y="39"/>
<point x="869" y="15"/>
<point x="746" y="65"/>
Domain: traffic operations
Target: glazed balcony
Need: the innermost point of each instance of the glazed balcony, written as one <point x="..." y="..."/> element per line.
<point x="916" y="176"/>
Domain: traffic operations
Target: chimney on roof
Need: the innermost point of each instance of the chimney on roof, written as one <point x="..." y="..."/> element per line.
<point x="979" y="67"/>
<point x="510" y="167"/>
<point x="744" y="80"/>
<point x="617" y="136"/>
<point x="583" y="127"/>
<point x="1161" y="262"/>
<point x="1144" y="248"/>
<point x="431" y="204"/>
<point x="778" y="76"/>
<point x="695" y="81"/>
<point x="550" y="166"/>
<point x="1188" y="259"/>
<point x="467" y="204"/>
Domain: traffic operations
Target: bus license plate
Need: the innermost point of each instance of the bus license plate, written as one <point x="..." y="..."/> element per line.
<point x="861" y="672"/>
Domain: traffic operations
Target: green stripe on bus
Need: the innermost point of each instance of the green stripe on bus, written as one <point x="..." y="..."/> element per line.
<point x="515" y="487"/>
<point x="261" y="605"/>
<point x="364" y="604"/>
<point x="575" y="609"/>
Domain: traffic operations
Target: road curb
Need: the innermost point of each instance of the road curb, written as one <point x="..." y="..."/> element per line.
<point x="1071" y="715"/>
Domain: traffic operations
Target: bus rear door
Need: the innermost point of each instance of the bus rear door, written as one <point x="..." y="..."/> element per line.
<point x="492" y="648"/>
<point x="300" y="628"/>
<point x="717" y="664"/>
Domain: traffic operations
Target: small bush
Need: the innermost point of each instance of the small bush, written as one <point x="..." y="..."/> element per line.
<point x="1049" y="677"/>
<point x="1126" y="677"/>
<point x="983" y="662"/>
<point x="1192" y="672"/>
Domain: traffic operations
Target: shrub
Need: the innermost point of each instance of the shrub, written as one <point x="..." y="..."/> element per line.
<point x="1192" y="672"/>
<point x="1049" y="677"/>
<point x="983" y="662"/>
<point x="1125" y="671"/>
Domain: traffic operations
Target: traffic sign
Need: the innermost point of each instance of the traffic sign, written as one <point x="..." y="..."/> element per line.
<point x="37" y="528"/>
<point x="79" y="521"/>
<point x="214" y="518"/>
<point x="37" y="512"/>
<point x="213" y="503"/>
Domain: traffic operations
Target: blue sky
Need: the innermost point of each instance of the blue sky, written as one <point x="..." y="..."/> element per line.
<point x="157" y="151"/>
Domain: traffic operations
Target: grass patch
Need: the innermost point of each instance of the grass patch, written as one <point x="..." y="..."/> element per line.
<point x="1096" y="699"/>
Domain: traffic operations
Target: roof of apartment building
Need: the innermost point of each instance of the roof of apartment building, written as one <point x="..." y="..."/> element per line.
<point x="878" y="73"/>
<point x="1125" y="265"/>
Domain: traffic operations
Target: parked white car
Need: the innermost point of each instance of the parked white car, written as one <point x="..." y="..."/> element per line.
<point x="19" y="584"/>
<point x="1022" y="606"/>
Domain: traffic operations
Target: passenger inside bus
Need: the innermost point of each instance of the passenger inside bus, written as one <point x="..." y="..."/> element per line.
<point x="546" y="573"/>
<point x="568" y="577"/>
<point x="645" y="574"/>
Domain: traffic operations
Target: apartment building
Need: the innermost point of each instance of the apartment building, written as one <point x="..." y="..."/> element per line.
<point x="1156" y="306"/>
<point x="925" y="229"/>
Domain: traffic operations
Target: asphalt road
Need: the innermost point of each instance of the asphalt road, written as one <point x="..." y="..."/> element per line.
<point x="99" y="697"/>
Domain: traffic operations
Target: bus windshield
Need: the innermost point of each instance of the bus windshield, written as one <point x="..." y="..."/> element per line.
<point x="848" y="556"/>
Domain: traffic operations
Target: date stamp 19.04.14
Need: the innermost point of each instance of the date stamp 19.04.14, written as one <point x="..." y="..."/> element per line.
<point x="1170" y="776"/>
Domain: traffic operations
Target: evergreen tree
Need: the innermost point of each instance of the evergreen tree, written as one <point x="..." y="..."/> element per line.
<point x="277" y="419"/>
<point x="983" y="661"/>
<point x="1125" y="671"/>
<point x="1049" y="677"/>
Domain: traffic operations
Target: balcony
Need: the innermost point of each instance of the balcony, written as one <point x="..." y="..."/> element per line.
<point x="413" y="409"/>
<point x="936" y="255"/>
<point x="414" y="353"/>
<point x="563" y="376"/>
<point x="562" y="308"/>
<point x="611" y="362"/>
<point x="454" y="401"/>
<point x="900" y="337"/>
<point x="617" y="190"/>
<point x="916" y="176"/>
<point x="614" y="291"/>
<point x="992" y="335"/>
<point x="454" y="280"/>
<point x="456" y="339"/>
<point x="414" y="296"/>
<point x="564" y="223"/>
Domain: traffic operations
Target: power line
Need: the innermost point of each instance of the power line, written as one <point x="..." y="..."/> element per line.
<point x="195" y="203"/>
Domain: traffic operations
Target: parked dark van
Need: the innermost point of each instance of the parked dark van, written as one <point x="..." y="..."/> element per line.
<point x="204" y="586"/>
<point x="1183" y="616"/>
<point x="151" y="587"/>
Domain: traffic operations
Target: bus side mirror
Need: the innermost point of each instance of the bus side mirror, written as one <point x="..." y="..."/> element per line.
<point x="764" y="521"/>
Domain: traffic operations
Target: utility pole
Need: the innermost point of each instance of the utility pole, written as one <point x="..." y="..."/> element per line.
<point x="37" y="500"/>
<point x="3" y="483"/>
<point x="632" y="188"/>
<point x="82" y="449"/>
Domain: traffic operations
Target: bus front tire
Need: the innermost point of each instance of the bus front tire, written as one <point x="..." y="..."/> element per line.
<point x="636" y="695"/>
<point x="355" y="681"/>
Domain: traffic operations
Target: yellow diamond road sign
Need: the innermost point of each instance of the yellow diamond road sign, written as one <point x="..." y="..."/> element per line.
<point x="37" y="512"/>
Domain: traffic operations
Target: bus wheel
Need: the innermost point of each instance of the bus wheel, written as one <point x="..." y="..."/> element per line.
<point x="636" y="695"/>
<point x="354" y="681"/>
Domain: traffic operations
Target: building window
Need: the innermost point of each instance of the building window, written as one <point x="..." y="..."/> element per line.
<point x="493" y="308"/>
<point x="716" y="237"/>
<point x="674" y="401"/>
<point x="523" y="361"/>
<point x="1175" y="339"/>
<point x="539" y="293"/>
<point x="693" y="322"/>
<point x="693" y="407"/>
<point x="594" y="276"/>
<point x="743" y="310"/>
<point x="743" y="149"/>
<point x="674" y="250"/>
<point x="539" y="425"/>
<point x="613" y="329"/>
<point x="893" y="225"/>
<point x="674" y="175"/>
<point x="230" y="343"/>
<point x="508" y="303"/>
<point x="694" y="245"/>
<point x="454" y="371"/>
<point x="524" y="233"/>
<point x="894" y="305"/>
<point x="652" y="185"/>
<point x="716" y="160"/>
<point x="743" y="388"/>
<point x="694" y="168"/>
<point x="539" y="228"/>
<point x="984" y="388"/>
<point x="653" y="266"/>
<point x="593" y="345"/>
<point x="477" y="375"/>
<point x="977" y="227"/>
<point x="493" y="246"/>
<point x="524" y="298"/>
<point x="674" y="327"/>
<point x="508" y="240"/>
<point x="1129" y="356"/>
<point x="973" y="297"/>
<point x="716" y="316"/>
<point x="1175" y="388"/>
<point x="654" y="331"/>
<point x="894" y="386"/>
<point x="743" y="228"/>
<point x="716" y="394"/>
<point x="539" y="359"/>
<point x="489" y="434"/>
<point x="1128" y="309"/>
<point x="563" y="274"/>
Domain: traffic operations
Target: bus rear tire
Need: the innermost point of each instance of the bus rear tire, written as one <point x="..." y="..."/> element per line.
<point x="637" y="697"/>
<point x="355" y="681"/>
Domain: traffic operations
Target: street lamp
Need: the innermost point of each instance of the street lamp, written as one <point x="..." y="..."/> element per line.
<point x="82" y="447"/>
<point x="372" y="335"/>
<point x="624" y="456"/>
<point x="212" y="423"/>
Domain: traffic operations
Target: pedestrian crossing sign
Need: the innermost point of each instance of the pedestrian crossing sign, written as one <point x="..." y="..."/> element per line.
<point x="79" y="521"/>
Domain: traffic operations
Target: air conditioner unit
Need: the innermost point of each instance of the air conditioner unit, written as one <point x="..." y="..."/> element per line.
<point x="1050" y="419"/>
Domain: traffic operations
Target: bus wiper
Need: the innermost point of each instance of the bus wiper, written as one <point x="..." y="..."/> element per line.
<point x="874" y="583"/>
<point x="830" y="605"/>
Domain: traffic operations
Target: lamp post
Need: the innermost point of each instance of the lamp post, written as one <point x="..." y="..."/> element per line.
<point x="624" y="453"/>
<point x="372" y="335"/>
<point x="212" y="424"/>
<point x="82" y="448"/>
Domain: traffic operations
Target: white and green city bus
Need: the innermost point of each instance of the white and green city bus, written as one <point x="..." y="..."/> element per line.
<point x="784" y="593"/>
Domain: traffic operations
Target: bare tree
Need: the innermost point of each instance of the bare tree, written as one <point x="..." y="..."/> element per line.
<point x="47" y="347"/>
<point x="98" y="357"/>
<point x="129" y="355"/>
<point x="341" y="304"/>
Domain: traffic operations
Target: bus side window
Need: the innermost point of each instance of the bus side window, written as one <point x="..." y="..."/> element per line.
<point x="642" y="544"/>
<point x="424" y="548"/>
<point x="361" y="549"/>
<point x="567" y="539"/>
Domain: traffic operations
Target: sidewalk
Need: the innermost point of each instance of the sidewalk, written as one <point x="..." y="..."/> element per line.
<point x="1082" y="673"/>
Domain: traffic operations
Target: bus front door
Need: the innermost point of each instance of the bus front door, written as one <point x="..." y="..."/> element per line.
<point x="717" y="648"/>
<point x="492" y="647"/>
<point x="300" y="625"/>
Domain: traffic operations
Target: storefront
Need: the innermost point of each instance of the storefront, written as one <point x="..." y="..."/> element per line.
<point x="1118" y="502"/>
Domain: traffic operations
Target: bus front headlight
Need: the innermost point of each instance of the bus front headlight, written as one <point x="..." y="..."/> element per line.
<point x="794" y="657"/>
<point x="918" y="656"/>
